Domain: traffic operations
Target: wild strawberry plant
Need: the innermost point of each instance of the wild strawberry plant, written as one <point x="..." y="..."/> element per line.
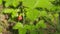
<point x="31" y="15"/>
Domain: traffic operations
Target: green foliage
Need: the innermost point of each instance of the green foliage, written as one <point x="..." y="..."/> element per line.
<point x="41" y="24"/>
<point x="27" y="10"/>
<point x="18" y="26"/>
<point x="43" y="13"/>
<point x="0" y="2"/>
<point x="8" y="10"/>
<point x="44" y="4"/>
<point x="13" y="12"/>
<point x="29" y="27"/>
<point x="32" y="14"/>
<point x="30" y="3"/>
<point x="13" y="3"/>
<point x="22" y="31"/>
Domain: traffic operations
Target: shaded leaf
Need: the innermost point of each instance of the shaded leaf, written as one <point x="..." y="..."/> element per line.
<point x="41" y="24"/>
<point x="22" y="31"/>
<point x="43" y="13"/>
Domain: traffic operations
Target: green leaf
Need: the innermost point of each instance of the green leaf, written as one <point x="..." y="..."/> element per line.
<point x="29" y="27"/>
<point x="0" y="2"/>
<point x="8" y="3"/>
<point x="44" y="4"/>
<point x="18" y="26"/>
<point x="43" y="13"/>
<point x="29" y="3"/>
<point x="56" y="15"/>
<point x="8" y="10"/>
<point x="22" y="31"/>
<point x="51" y="0"/>
<point x="14" y="14"/>
<point x="41" y="24"/>
<point x="32" y="14"/>
<point x="38" y="3"/>
<point x="41" y="31"/>
<point x="33" y="32"/>
<point x="50" y="16"/>
<point x="15" y="3"/>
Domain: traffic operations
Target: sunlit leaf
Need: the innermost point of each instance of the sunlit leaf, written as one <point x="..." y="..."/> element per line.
<point x="0" y="2"/>
<point x="29" y="27"/>
<point x="32" y="14"/>
<point x="44" y="4"/>
<point x="8" y="10"/>
<point x="18" y="26"/>
<point x="29" y="3"/>
<point x="15" y="3"/>
<point x="8" y="3"/>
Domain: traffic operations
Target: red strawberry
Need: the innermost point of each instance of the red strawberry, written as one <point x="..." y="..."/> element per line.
<point x="19" y="18"/>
